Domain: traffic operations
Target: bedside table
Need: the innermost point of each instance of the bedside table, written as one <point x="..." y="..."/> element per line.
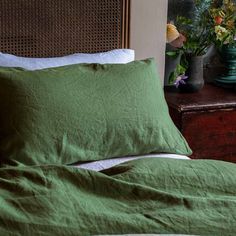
<point x="207" y="119"/>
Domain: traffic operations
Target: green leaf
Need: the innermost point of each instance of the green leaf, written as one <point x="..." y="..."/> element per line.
<point x="180" y="69"/>
<point x="173" y="54"/>
<point x="172" y="77"/>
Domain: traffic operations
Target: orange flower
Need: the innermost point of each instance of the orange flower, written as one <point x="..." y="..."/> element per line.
<point x="171" y="33"/>
<point x="218" y="20"/>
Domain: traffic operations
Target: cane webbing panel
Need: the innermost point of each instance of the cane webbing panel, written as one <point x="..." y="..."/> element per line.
<point x="43" y="28"/>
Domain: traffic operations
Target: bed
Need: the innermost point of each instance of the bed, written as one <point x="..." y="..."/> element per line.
<point x="88" y="148"/>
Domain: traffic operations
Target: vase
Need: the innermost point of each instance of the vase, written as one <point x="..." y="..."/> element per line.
<point x="170" y="65"/>
<point x="195" y="80"/>
<point x="228" y="58"/>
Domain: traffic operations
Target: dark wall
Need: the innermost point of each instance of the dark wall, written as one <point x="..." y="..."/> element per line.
<point x="179" y="7"/>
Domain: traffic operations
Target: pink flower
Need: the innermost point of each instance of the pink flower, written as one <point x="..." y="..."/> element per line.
<point x="179" y="42"/>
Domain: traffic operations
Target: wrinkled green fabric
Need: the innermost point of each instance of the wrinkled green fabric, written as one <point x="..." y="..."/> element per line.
<point x="83" y="113"/>
<point x="144" y="196"/>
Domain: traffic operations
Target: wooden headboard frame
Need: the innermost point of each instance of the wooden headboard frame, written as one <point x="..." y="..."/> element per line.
<point x="42" y="28"/>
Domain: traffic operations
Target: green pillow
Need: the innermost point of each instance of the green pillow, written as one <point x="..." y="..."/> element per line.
<point x="84" y="112"/>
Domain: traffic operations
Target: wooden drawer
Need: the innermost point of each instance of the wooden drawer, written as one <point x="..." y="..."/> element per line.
<point x="211" y="134"/>
<point x="207" y="119"/>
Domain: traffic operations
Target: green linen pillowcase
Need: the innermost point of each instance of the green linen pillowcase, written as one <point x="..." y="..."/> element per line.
<point x="84" y="112"/>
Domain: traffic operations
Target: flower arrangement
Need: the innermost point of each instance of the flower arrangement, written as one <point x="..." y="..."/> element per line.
<point x="223" y="15"/>
<point x="189" y="37"/>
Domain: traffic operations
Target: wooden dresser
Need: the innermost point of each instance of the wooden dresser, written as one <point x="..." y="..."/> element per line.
<point x="207" y="119"/>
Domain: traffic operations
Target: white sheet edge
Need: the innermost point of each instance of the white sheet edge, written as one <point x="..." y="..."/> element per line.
<point x="108" y="163"/>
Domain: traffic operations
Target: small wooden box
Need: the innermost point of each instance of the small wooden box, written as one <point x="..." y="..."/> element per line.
<point x="207" y="119"/>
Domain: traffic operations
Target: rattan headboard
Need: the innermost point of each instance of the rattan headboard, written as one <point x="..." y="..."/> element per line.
<point x="47" y="28"/>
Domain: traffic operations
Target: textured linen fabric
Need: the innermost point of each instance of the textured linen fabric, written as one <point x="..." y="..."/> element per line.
<point x="152" y="196"/>
<point x="84" y="113"/>
<point x="117" y="56"/>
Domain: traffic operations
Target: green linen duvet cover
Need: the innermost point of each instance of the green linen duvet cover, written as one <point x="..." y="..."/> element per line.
<point x="155" y="196"/>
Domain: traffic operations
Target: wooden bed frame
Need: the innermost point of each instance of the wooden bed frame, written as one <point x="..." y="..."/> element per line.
<point x="42" y="28"/>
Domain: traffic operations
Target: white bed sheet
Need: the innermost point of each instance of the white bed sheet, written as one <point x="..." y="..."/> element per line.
<point x="105" y="164"/>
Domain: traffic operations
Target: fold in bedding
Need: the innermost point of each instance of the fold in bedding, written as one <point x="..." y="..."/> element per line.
<point x="152" y="196"/>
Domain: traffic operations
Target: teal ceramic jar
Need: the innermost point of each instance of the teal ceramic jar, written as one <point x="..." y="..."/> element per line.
<point x="228" y="58"/>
